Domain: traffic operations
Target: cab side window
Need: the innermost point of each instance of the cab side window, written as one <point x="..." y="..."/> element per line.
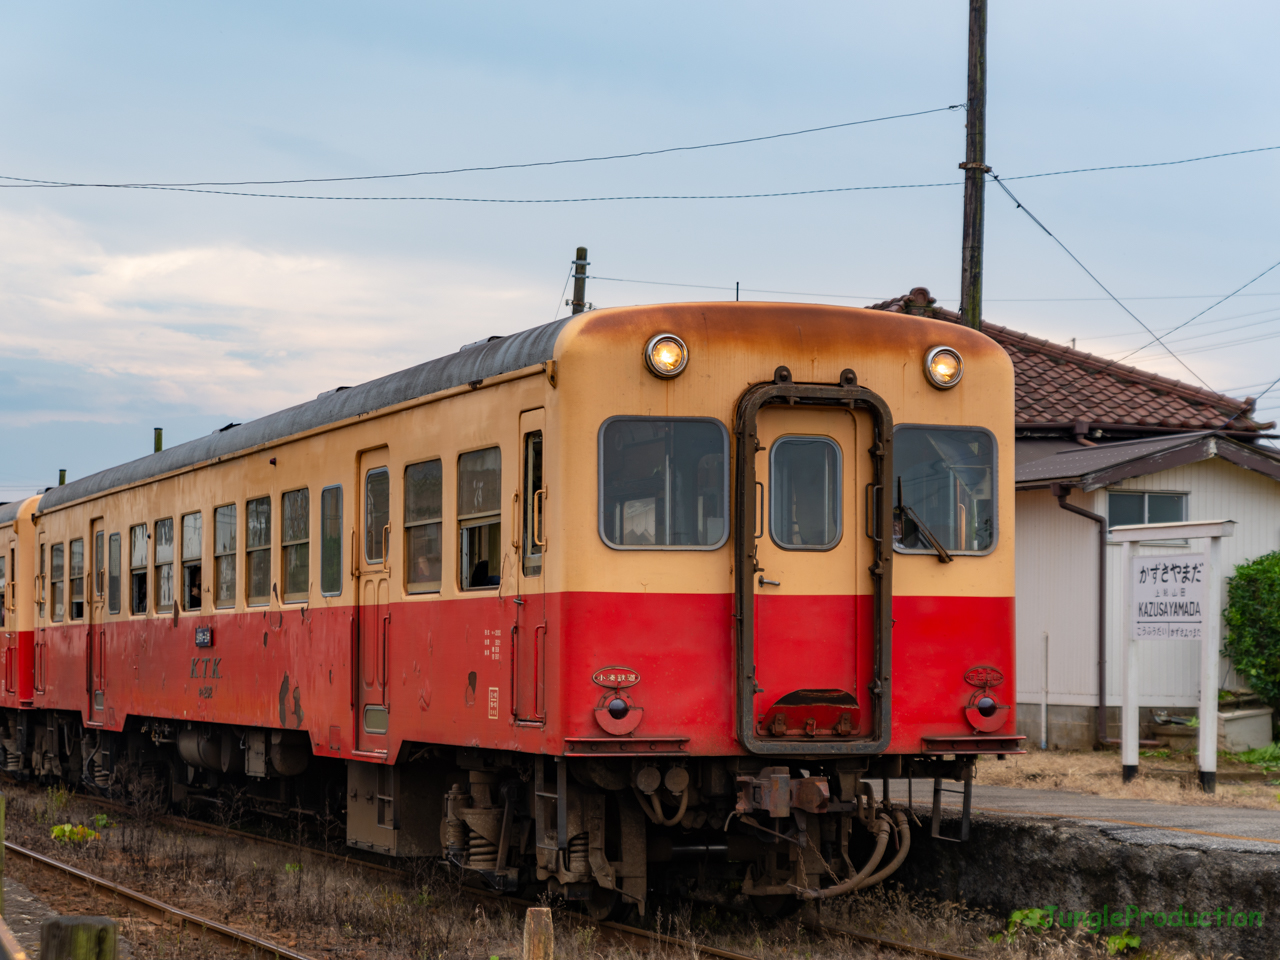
<point x="164" y="566"/>
<point x="76" y="576"/>
<point x="423" y="511"/>
<point x="192" y="569"/>
<point x="99" y="564"/>
<point x="295" y="543"/>
<point x="377" y="514"/>
<point x="138" y="568"/>
<point x="480" y="518"/>
<point x="4" y="590"/>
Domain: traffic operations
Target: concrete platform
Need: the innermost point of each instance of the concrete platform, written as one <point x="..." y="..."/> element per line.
<point x="1101" y="857"/>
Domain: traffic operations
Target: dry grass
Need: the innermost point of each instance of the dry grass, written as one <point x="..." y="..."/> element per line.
<point x="1162" y="776"/>
<point x="328" y="908"/>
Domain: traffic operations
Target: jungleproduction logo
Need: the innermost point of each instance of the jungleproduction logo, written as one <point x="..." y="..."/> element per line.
<point x="1130" y="916"/>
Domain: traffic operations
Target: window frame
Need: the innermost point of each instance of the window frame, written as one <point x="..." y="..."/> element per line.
<point x="57" y="584"/>
<point x="285" y="546"/>
<point x="157" y="565"/>
<point x="115" y="540"/>
<point x="532" y="512"/>
<point x="258" y="600"/>
<point x="410" y="587"/>
<point x="1184" y="495"/>
<point x="71" y="579"/>
<point x="839" y="497"/>
<point x="384" y="542"/>
<point x="995" y="492"/>
<point x="470" y="521"/>
<point x="189" y="562"/>
<point x="728" y="504"/>
<point x="145" y="568"/>
<point x="234" y="507"/>
<point x="99" y="564"/>
<point x="341" y="518"/>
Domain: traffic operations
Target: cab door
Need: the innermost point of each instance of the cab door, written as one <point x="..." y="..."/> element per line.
<point x="9" y="615"/>
<point x="813" y="591"/>
<point x="529" y="540"/>
<point x="373" y="565"/>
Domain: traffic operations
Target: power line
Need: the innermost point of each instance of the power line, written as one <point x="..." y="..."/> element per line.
<point x="705" y="286"/>
<point x="501" y="166"/>
<point x="1142" y="166"/>
<point x="1100" y="284"/>
<point x="1234" y="316"/>
<point x="23" y="183"/>
<point x="709" y="196"/>
<point x="1207" y="309"/>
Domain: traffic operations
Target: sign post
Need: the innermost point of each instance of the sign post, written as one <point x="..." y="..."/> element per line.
<point x="1170" y="597"/>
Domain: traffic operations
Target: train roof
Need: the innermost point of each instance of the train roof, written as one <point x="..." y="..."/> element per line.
<point x="471" y="363"/>
<point x="9" y="511"/>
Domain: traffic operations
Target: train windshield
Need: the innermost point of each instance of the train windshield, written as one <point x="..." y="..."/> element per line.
<point x="944" y="490"/>
<point x="663" y="482"/>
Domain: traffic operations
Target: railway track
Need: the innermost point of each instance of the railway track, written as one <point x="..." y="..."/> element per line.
<point x="617" y="931"/>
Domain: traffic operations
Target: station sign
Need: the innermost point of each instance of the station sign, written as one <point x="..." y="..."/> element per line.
<point x="1167" y="596"/>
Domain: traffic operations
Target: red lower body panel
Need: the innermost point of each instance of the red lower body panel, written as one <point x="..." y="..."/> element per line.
<point x="482" y="672"/>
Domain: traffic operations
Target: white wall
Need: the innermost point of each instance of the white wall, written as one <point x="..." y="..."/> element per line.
<point x="1057" y="584"/>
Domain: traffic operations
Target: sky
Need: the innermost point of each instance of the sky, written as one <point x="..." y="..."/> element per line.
<point x="125" y="309"/>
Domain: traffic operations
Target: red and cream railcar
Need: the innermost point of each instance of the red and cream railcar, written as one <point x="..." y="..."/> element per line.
<point x="563" y="605"/>
<point x="18" y="585"/>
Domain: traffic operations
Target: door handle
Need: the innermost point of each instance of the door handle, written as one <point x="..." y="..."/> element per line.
<point x="772" y="583"/>
<point x="386" y="548"/>
<point x="539" y="505"/>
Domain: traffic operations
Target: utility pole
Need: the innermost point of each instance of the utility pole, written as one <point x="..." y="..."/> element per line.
<point x="579" y="301"/>
<point x="974" y="167"/>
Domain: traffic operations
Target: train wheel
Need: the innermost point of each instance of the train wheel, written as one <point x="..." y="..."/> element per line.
<point x="605" y="904"/>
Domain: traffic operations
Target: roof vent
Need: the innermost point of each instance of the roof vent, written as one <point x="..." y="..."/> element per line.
<point x="330" y="393"/>
<point x="226" y="428"/>
<point x="479" y="343"/>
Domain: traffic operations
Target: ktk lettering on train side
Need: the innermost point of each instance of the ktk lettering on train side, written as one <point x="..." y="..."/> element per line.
<point x="203" y="668"/>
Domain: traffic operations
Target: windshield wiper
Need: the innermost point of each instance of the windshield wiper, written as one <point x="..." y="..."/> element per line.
<point x="943" y="555"/>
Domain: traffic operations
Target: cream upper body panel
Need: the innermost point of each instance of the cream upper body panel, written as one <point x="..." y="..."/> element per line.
<point x="601" y="373"/>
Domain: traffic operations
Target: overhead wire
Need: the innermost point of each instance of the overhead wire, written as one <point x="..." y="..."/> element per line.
<point x="1102" y="286"/>
<point x="509" y="166"/>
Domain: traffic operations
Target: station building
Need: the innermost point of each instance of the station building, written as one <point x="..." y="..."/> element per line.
<point x="1126" y="446"/>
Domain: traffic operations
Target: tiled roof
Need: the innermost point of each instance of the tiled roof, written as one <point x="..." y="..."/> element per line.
<point x="1059" y="386"/>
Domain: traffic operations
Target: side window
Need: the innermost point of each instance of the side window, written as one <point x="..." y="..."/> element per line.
<point x="164" y="565"/>
<point x="113" y="575"/>
<point x="804" y="493"/>
<point x="138" y="568"/>
<point x="4" y="590"/>
<point x="423" y="512"/>
<point x="257" y="535"/>
<point x="480" y="518"/>
<point x="56" y="584"/>
<point x="663" y="483"/>
<point x="76" y="576"/>
<point x="377" y="513"/>
<point x="331" y="541"/>
<point x="99" y="565"/>
<point x="224" y="555"/>
<point x="534" y="538"/>
<point x="1125" y="508"/>
<point x="192" y="561"/>
<point x="944" y="489"/>
<point x="295" y="544"/>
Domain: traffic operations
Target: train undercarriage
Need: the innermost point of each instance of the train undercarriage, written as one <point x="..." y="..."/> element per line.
<point x="605" y="831"/>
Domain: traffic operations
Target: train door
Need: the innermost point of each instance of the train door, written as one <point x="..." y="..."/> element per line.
<point x="529" y="540"/>
<point x="813" y="591"/>
<point x="373" y="561"/>
<point x="96" y="636"/>
<point x="42" y="613"/>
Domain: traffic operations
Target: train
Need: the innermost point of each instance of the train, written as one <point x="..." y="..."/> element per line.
<point x="660" y="598"/>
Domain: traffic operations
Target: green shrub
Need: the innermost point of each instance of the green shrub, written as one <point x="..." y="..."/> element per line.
<point x="1253" y="625"/>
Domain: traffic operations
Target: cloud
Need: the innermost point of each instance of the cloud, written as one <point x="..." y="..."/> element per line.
<point x="100" y="335"/>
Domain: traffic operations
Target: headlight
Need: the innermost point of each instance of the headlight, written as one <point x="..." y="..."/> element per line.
<point x="944" y="367"/>
<point x="666" y="355"/>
